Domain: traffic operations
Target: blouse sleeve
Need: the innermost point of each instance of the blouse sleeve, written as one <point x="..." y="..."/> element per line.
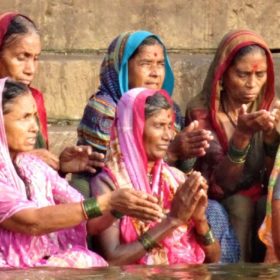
<point x="12" y="200"/>
<point x="62" y="191"/>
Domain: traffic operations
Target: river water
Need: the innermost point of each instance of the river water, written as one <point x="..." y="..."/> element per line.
<point x="188" y="272"/>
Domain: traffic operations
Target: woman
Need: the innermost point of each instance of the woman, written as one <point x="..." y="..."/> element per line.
<point x="234" y="104"/>
<point x="35" y="226"/>
<point x="133" y="59"/>
<point x="141" y="134"/>
<point x="20" y="48"/>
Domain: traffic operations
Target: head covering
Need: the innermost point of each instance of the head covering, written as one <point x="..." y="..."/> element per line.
<point x="209" y="98"/>
<point x="114" y="69"/>
<point x="133" y="42"/>
<point x="5" y="20"/>
<point x="130" y="171"/>
<point x="42" y="139"/>
<point x="94" y="128"/>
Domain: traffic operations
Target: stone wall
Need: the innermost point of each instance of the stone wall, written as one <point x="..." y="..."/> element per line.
<point x="76" y="33"/>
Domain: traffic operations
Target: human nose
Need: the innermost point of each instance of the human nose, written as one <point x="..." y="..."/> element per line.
<point x="168" y="134"/>
<point x="154" y="70"/>
<point x="34" y="127"/>
<point x="251" y="81"/>
<point x="30" y="67"/>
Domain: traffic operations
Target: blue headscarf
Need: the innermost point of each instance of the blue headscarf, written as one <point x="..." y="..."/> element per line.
<point x="133" y="42"/>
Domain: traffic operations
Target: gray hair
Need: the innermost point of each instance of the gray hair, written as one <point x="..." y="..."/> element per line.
<point x="155" y="103"/>
<point x="18" y="26"/>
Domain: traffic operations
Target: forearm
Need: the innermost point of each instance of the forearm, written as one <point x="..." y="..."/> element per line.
<point x="129" y="253"/>
<point x="229" y="170"/>
<point x="46" y="219"/>
<point x="99" y="224"/>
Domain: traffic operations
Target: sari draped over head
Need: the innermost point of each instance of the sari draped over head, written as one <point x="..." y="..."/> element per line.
<point x="42" y="139"/>
<point x="99" y="113"/>
<point x="206" y="105"/>
<point x="28" y="183"/>
<point x="265" y="231"/>
<point x="127" y="166"/>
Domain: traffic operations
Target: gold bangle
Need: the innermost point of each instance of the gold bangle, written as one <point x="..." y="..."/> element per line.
<point x="207" y="239"/>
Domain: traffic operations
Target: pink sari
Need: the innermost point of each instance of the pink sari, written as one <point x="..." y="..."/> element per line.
<point x="30" y="183"/>
<point x="126" y="164"/>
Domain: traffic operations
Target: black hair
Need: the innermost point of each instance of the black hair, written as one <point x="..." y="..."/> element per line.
<point x="12" y="90"/>
<point x="155" y="103"/>
<point x="246" y="50"/>
<point x="18" y="26"/>
<point x="149" y="41"/>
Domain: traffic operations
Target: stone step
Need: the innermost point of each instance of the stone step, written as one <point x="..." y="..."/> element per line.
<point x="61" y="136"/>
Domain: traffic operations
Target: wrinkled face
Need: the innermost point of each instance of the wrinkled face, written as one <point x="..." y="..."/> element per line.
<point x="146" y="69"/>
<point x="244" y="80"/>
<point x="158" y="132"/>
<point x="21" y="124"/>
<point x="19" y="60"/>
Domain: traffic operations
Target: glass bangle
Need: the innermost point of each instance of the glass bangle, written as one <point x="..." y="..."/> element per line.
<point x="91" y="207"/>
<point x="147" y="241"/>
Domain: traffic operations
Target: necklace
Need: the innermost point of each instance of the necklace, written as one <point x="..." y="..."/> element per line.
<point x="233" y="123"/>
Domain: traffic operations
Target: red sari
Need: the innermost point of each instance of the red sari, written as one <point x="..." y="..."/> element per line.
<point x="206" y="106"/>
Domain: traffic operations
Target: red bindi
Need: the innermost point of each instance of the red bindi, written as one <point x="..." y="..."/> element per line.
<point x="155" y="54"/>
<point x="255" y="67"/>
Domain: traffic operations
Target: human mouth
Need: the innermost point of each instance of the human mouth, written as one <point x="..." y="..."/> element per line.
<point x="152" y="85"/>
<point x="31" y="140"/>
<point x="26" y="82"/>
<point x="163" y="147"/>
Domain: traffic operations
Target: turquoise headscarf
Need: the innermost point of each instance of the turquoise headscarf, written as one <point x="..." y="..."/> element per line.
<point x="133" y="42"/>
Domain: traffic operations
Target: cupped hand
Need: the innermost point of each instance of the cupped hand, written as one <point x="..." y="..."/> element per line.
<point x="192" y="141"/>
<point x="271" y="136"/>
<point x="46" y="156"/>
<point x="189" y="200"/>
<point x="250" y="123"/>
<point x="136" y="204"/>
<point x="79" y="159"/>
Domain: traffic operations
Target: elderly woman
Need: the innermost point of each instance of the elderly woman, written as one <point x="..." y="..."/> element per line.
<point x="133" y="59"/>
<point x="234" y="104"/>
<point x="140" y="137"/>
<point x="20" y="48"/>
<point x="35" y="226"/>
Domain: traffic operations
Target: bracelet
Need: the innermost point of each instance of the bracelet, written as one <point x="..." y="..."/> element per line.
<point x="270" y="150"/>
<point x="116" y="214"/>
<point x="206" y="239"/>
<point x="235" y="155"/>
<point x="146" y="240"/>
<point x="91" y="208"/>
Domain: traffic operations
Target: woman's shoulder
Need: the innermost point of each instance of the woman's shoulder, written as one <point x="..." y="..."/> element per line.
<point x="102" y="102"/>
<point x="29" y="163"/>
<point x="101" y="183"/>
